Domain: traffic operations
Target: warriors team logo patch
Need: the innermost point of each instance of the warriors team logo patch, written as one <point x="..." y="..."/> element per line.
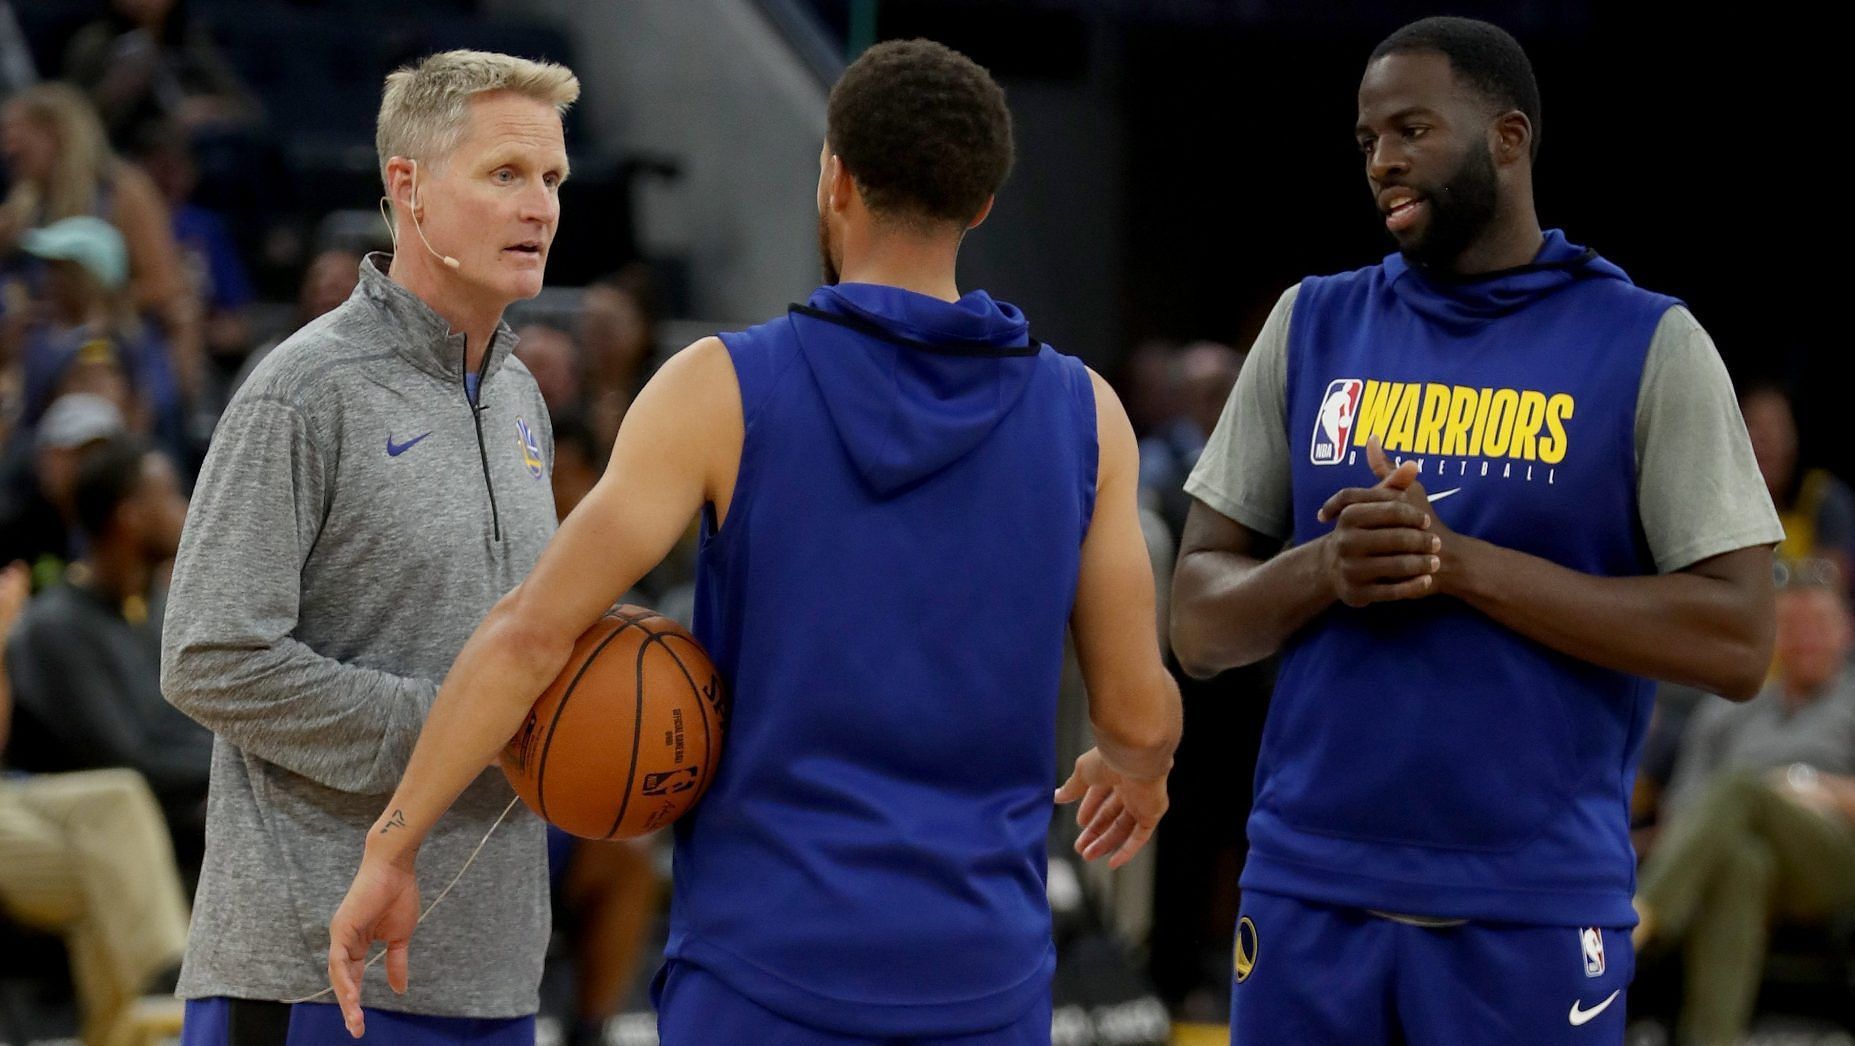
<point x="1333" y="427"/>
<point x="1245" y="958"/>
<point x="1592" y="939"/>
<point x="531" y="451"/>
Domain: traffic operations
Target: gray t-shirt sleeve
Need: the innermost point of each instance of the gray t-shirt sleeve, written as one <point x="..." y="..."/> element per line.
<point x="1243" y="473"/>
<point x="1698" y="489"/>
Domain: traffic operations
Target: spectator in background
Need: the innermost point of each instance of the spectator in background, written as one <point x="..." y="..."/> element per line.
<point x="1818" y="509"/>
<point x="84" y="319"/>
<point x="554" y="360"/>
<point x="1149" y="376"/>
<point x="146" y="62"/>
<point x="85" y="661"/>
<point x="62" y="167"/>
<point x="579" y="461"/>
<point x="1201" y="375"/>
<point x="215" y="274"/>
<point x="1762" y="813"/>
<point x="618" y="334"/>
<point x="328" y="280"/>
<point x="16" y="68"/>
<point x="86" y="857"/>
<point x="37" y="519"/>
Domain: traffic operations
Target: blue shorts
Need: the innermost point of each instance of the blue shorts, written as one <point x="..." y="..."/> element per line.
<point x="1316" y="975"/>
<point x="694" y="1008"/>
<point x="240" y="1022"/>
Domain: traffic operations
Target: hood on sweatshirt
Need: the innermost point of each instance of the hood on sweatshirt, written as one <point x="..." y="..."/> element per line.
<point x="913" y="383"/>
<point x="1462" y="303"/>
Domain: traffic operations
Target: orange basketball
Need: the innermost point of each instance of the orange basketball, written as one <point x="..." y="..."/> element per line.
<point x="627" y="738"/>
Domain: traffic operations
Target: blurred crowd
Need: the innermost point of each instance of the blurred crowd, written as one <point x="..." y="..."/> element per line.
<point x="128" y="316"/>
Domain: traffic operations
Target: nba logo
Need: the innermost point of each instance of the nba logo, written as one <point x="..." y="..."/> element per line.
<point x="1593" y="940"/>
<point x="1334" y="425"/>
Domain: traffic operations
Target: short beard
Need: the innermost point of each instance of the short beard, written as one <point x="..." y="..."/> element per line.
<point x="1461" y="209"/>
<point x="824" y="253"/>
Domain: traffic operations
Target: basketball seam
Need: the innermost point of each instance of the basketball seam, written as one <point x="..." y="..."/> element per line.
<point x="638" y="727"/>
<point x="637" y="730"/>
<point x="713" y="757"/>
<point x="561" y="707"/>
<point x="648" y="615"/>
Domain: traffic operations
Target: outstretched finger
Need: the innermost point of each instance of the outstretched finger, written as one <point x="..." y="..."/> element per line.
<point x="1112" y="838"/>
<point x="1136" y="841"/>
<point x="1100" y="824"/>
<point x="398" y="964"/>
<point x="1091" y="803"/>
<point x="344" y="973"/>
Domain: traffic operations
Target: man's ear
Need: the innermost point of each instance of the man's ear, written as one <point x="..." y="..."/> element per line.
<point x="401" y="182"/>
<point x="841" y="187"/>
<point x="1513" y="137"/>
<point x="984" y="213"/>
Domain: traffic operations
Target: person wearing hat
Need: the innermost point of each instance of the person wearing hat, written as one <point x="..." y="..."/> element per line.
<point x="85" y="320"/>
<point x="36" y="521"/>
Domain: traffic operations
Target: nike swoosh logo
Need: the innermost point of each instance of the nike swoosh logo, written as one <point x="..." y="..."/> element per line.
<point x="1579" y="1017"/>
<point x="1440" y="495"/>
<point x="394" y="450"/>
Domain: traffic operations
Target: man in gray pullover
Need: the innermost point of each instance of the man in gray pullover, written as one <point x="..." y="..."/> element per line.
<point x="375" y="486"/>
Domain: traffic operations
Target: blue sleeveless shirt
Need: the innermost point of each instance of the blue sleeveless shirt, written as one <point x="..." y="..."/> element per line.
<point x="1418" y="756"/>
<point x="887" y="599"/>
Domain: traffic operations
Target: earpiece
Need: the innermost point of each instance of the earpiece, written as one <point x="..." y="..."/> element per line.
<point x="413" y="200"/>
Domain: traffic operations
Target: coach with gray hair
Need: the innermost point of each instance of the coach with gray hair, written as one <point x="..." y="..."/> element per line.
<point x="373" y="488"/>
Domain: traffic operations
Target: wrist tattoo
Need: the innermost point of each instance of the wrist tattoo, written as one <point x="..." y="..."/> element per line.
<point x="397" y="820"/>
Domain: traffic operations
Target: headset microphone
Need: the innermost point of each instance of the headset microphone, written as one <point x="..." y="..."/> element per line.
<point x="412" y="203"/>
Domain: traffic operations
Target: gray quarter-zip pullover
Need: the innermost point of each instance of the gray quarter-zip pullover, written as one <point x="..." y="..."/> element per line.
<point x="355" y="519"/>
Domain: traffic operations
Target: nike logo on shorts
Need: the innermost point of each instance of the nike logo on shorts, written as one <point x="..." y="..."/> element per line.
<point x="1579" y="1016"/>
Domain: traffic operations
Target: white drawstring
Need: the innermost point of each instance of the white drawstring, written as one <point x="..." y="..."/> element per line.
<point x="428" y="908"/>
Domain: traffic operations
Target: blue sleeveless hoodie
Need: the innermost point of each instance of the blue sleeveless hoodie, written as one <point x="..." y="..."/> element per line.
<point x="1419" y="757"/>
<point x="887" y="600"/>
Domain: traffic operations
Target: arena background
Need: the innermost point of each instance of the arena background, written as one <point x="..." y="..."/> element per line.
<point x="1180" y="163"/>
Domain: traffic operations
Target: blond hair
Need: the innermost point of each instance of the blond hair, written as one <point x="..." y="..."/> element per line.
<point x="423" y="109"/>
<point x="84" y="162"/>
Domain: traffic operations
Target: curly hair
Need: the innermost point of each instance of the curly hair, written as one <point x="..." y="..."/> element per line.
<point x="923" y="130"/>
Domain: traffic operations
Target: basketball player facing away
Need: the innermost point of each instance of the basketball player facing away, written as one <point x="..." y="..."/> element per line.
<point x="905" y="499"/>
<point x="1564" y="503"/>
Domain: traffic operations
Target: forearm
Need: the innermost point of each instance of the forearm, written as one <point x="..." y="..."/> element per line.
<point x="1138" y="737"/>
<point x="342" y="726"/>
<point x="1230" y="610"/>
<point x="1681" y="627"/>
<point x="488" y="692"/>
